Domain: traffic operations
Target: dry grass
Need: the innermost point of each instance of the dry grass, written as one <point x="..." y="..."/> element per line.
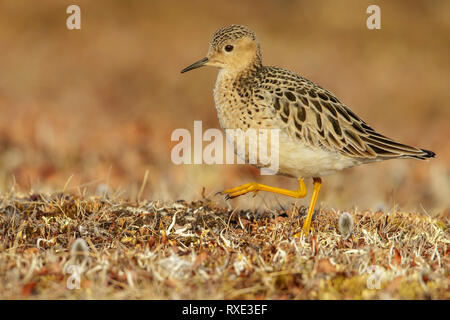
<point x="200" y="250"/>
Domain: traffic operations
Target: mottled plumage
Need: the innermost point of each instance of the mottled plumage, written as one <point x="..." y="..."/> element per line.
<point x="318" y="133"/>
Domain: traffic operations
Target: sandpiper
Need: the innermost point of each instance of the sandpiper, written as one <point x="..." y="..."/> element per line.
<point x="319" y="135"/>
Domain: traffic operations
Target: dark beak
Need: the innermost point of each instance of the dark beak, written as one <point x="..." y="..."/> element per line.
<point x="195" y="65"/>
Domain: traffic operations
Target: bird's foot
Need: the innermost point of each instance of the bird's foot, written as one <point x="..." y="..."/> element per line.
<point x="241" y="190"/>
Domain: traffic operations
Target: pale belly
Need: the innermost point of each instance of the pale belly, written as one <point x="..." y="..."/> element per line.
<point x="290" y="157"/>
<point x="299" y="161"/>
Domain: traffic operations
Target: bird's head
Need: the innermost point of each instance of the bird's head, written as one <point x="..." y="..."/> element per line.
<point x="233" y="49"/>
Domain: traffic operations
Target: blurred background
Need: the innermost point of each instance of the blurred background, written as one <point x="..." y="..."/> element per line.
<point x="92" y="110"/>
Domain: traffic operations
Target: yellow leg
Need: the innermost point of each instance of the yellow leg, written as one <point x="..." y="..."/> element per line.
<point x="256" y="187"/>
<point x="312" y="204"/>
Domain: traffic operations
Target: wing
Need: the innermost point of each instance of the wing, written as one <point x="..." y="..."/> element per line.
<point x="315" y="116"/>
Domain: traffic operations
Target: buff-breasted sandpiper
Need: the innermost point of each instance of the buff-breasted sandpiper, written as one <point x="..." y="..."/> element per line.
<point x="319" y="135"/>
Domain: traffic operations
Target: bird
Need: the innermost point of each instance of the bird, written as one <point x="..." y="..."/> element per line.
<point x="318" y="134"/>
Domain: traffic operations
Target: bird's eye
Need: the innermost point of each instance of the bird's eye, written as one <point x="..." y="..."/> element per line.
<point x="228" y="48"/>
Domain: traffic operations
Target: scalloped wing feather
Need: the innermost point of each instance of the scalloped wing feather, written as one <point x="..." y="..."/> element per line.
<point x="315" y="116"/>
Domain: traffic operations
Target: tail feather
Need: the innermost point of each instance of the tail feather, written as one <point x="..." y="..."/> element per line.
<point x="426" y="154"/>
<point x="386" y="148"/>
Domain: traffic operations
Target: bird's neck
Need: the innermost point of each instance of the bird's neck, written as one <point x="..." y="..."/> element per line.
<point x="243" y="74"/>
<point x="231" y="89"/>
